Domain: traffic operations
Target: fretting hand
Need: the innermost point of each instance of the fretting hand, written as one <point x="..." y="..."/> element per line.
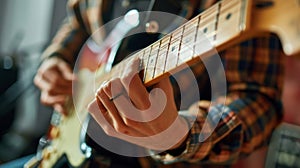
<point x="125" y="109"/>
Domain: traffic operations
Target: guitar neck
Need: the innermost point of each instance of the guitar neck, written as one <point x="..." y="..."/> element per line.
<point x="226" y="23"/>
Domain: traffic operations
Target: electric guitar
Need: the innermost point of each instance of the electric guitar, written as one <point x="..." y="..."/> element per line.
<point x="226" y="23"/>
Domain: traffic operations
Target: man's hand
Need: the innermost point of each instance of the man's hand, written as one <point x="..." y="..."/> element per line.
<point x="54" y="78"/>
<point x="125" y="109"/>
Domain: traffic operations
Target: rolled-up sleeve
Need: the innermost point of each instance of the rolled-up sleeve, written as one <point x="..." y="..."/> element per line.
<point x="252" y="108"/>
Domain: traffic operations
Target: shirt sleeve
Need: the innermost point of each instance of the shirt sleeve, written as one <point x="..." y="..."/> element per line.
<point x="70" y="37"/>
<point x="252" y="108"/>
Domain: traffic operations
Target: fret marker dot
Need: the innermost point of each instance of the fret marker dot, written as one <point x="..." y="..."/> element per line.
<point x="173" y="48"/>
<point x="205" y="30"/>
<point x="228" y="16"/>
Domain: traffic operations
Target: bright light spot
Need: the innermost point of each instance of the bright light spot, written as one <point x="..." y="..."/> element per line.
<point x="132" y="17"/>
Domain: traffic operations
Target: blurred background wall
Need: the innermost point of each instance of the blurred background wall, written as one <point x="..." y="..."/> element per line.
<point x="26" y="27"/>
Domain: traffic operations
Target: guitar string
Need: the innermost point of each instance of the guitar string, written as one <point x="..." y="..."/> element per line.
<point x="209" y="34"/>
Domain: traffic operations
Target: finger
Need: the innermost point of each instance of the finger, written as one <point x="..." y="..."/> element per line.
<point x="117" y="119"/>
<point x="99" y="113"/>
<point x="100" y="105"/>
<point x="66" y="71"/>
<point x="56" y="77"/>
<point x="59" y="65"/>
<point x="134" y="85"/>
<point x="50" y="100"/>
<point x="114" y="88"/>
<point x="104" y="111"/>
<point x="132" y="117"/>
<point x="51" y="88"/>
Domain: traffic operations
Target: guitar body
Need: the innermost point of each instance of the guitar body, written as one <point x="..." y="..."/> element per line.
<point x="67" y="133"/>
<point x="65" y="141"/>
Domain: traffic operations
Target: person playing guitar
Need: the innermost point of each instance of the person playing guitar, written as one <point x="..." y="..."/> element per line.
<point x="212" y="130"/>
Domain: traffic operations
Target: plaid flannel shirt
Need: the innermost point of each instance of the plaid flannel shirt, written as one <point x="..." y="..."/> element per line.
<point x="254" y="75"/>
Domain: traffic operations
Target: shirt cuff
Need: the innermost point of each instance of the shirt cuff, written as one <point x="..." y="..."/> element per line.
<point x="192" y="145"/>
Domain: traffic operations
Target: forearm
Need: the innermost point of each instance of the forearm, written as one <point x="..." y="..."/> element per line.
<point x="252" y="107"/>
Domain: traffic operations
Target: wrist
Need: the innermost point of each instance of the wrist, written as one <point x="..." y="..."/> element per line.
<point x="180" y="147"/>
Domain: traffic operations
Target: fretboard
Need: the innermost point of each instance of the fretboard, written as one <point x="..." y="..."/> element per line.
<point x="190" y="42"/>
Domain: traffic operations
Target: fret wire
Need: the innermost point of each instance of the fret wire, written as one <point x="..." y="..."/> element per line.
<point x="195" y="44"/>
<point x="167" y="53"/>
<point x="191" y="25"/>
<point x="141" y="58"/>
<point x="209" y="14"/>
<point x="217" y="20"/>
<point x="181" y="36"/>
<point x="194" y="20"/>
<point x="118" y="69"/>
<point x="148" y="68"/>
<point x="233" y="22"/>
<point x="146" y="59"/>
<point x="165" y="44"/>
<point x="233" y="6"/>
<point x="210" y="20"/>
<point x="202" y="25"/>
<point x="162" y="56"/>
<point x="211" y="10"/>
<point x="179" y="47"/>
<point x="165" y="41"/>
<point x="186" y="50"/>
<point x="199" y="18"/>
<point x="194" y="55"/>
<point x="160" y="62"/>
<point x="154" y="56"/>
<point x="174" y="40"/>
<point x="199" y="41"/>
<point x="174" y="44"/>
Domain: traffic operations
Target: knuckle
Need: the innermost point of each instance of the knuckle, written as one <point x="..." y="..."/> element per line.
<point x="106" y="87"/>
<point x="100" y="92"/>
<point x="130" y="123"/>
<point x="45" y="100"/>
<point x="119" y="128"/>
<point x="50" y="89"/>
<point x="42" y="73"/>
<point x="36" y="80"/>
